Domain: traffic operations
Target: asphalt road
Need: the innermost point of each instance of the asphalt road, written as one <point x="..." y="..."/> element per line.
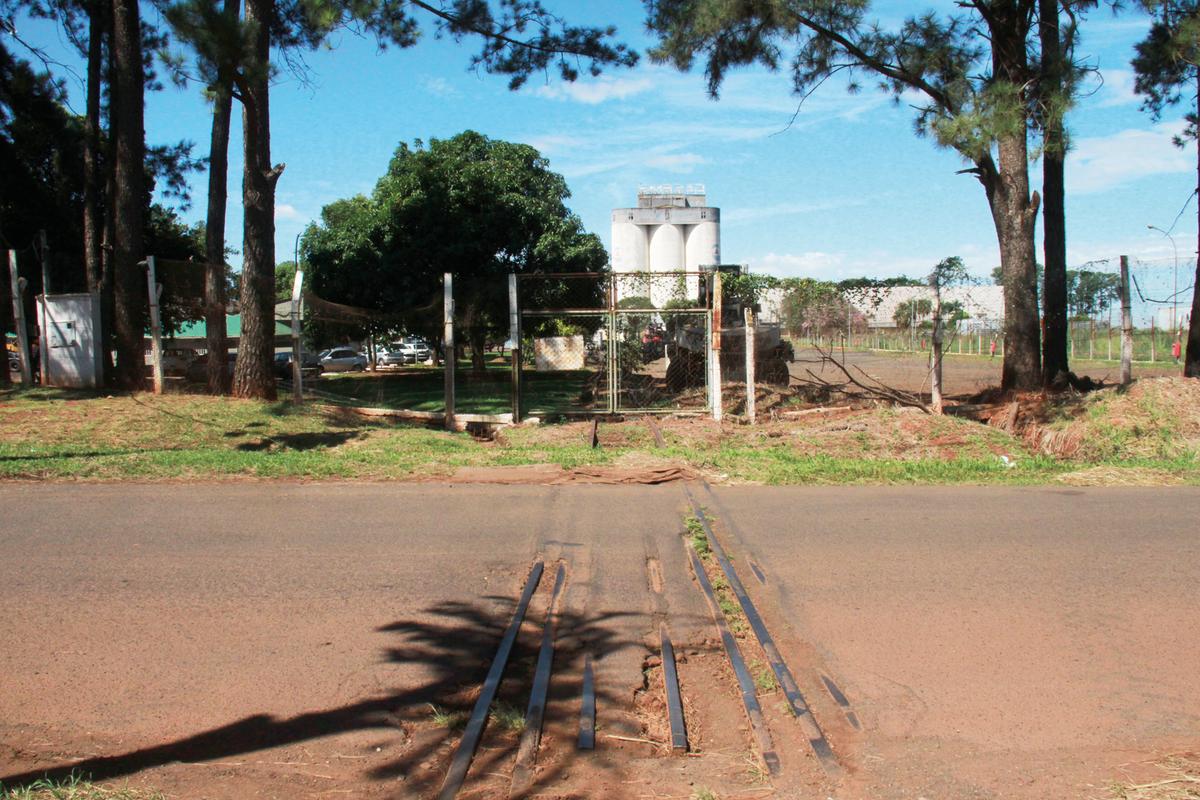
<point x="994" y="642"/>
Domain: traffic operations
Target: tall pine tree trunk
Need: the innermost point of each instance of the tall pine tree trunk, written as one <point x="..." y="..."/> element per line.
<point x="93" y="223"/>
<point x="1191" y="358"/>
<point x="253" y="375"/>
<point x="1054" y="243"/>
<point x="1014" y="212"/>
<point x="214" y="230"/>
<point x="129" y="198"/>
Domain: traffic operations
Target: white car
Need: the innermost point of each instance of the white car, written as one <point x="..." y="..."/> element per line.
<point x="343" y="359"/>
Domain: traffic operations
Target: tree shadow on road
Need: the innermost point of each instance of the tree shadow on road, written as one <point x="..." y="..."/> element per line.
<point x="455" y="651"/>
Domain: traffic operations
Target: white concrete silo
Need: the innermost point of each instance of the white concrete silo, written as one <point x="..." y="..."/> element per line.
<point x="672" y="229"/>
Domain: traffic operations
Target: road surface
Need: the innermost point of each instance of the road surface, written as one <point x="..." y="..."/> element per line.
<point x="284" y="639"/>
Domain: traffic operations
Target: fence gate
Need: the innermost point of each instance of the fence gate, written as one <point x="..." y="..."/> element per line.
<point x="613" y="343"/>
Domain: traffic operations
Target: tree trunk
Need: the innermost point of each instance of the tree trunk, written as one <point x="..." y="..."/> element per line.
<point x="1191" y="358"/>
<point x="93" y="224"/>
<point x="1014" y="212"/>
<point x="253" y="375"/>
<point x="1015" y="215"/>
<point x="129" y="197"/>
<point x="1055" y="358"/>
<point x="936" y="356"/>
<point x="478" y="337"/>
<point x="214" y="229"/>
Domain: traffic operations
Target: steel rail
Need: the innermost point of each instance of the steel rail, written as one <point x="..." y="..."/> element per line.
<point x="679" y="738"/>
<point x="522" y="776"/>
<point x="587" y="707"/>
<point x="758" y="723"/>
<point x="461" y="762"/>
<point x="799" y="706"/>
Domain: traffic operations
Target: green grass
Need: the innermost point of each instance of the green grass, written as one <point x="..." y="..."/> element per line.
<point x="48" y="434"/>
<point x="697" y="535"/>
<point x="508" y="717"/>
<point x="764" y="677"/>
<point x="703" y="793"/>
<point x="452" y="720"/>
<point x="73" y="788"/>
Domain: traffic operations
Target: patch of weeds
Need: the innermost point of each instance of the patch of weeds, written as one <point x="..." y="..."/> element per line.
<point x="73" y="788"/>
<point x="764" y="677"/>
<point x="786" y="708"/>
<point x="508" y="717"/>
<point x="451" y="720"/>
<point x="754" y="770"/>
<point x="697" y="535"/>
<point x="702" y="793"/>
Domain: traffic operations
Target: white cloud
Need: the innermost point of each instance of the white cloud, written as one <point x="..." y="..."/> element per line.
<point x="1103" y="162"/>
<point x="681" y="163"/>
<point x="594" y="92"/>
<point x="285" y="211"/>
<point x="440" y="87"/>
<point x="814" y="264"/>
<point x="1117" y="89"/>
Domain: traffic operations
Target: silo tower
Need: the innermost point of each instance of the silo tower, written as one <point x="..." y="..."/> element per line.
<point x="672" y="229"/>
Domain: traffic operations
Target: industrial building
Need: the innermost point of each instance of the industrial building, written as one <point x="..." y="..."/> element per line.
<point x="671" y="229"/>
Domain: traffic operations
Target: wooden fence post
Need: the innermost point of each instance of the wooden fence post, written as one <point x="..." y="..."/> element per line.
<point x="1126" y="325"/>
<point x="514" y="335"/>
<point x="155" y="290"/>
<point x="18" y="290"/>
<point x="297" y="366"/>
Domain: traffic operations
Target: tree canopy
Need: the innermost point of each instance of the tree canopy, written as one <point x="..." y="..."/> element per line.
<point x="469" y="205"/>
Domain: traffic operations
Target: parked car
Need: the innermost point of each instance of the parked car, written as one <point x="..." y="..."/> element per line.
<point x="419" y="347"/>
<point x="342" y="359"/>
<point x="395" y="356"/>
<point x="310" y="365"/>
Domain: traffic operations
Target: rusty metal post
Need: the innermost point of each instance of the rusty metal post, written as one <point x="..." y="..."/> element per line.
<point x="715" y="376"/>
<point x="751" y="399"/>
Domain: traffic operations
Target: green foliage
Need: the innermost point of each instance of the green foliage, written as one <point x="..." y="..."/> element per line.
<point x="508" y="717"/>
<point x="1165" y="66"/>
<point x="912" y="311"/>
<point x="697" y="535"/>
<point x="473" y="206"/>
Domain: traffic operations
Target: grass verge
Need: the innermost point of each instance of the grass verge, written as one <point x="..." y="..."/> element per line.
<point x="74" y="788"/>
<point x="50" y="434"/>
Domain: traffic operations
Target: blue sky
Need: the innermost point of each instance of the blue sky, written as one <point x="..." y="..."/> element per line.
<point x="846" y="189"/>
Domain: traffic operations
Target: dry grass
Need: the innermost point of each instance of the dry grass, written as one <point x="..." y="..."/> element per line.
<point x="1154" y="418"/>
<point x="1180" y="781"/>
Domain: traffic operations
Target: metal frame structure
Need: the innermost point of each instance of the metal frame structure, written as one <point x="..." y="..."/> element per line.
<point x="611" y="315"/>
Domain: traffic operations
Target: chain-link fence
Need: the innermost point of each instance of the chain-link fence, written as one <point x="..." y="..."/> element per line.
<point x="613" y="343"/>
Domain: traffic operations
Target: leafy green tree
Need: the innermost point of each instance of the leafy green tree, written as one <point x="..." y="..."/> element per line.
<point x="912" y="312"/>
<point x="1167" y="66"/>
<point x="469" y="205"/>
<point x="972" y="70"/>
<point x="1092" y="293"/>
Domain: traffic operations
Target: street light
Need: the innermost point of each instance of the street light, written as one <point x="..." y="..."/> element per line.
<point x="1175" y="291"/>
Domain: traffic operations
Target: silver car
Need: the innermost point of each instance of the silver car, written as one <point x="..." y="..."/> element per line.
<point x="341" y="359"/>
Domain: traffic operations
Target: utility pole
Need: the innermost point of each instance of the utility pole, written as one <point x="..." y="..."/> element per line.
<point x="18" y="292"/>
<point x="1126" y="325"/>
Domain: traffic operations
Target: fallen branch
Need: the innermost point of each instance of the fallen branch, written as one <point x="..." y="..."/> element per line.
<point x="872" y="388"/>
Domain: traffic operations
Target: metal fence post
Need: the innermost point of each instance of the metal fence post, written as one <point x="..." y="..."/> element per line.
<point x="1126" y="325"/>
<point x="751" y="399"/>
<point x="514" y="335"/>
<point x="18" y="290"/>
<point x="450" y="360"/>
<point x="297" y="371"/>
<point x="155" y="325"/>
<point x="716" y="348"/>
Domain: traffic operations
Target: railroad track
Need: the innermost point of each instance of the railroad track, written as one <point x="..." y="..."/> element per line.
<point x="548" y="578"/>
